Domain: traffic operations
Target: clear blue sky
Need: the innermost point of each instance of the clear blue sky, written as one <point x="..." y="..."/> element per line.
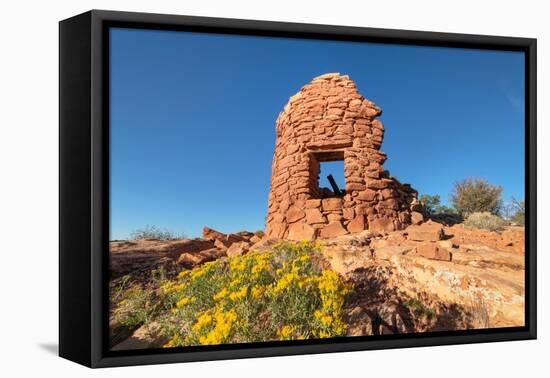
<point x="192" y="120"/>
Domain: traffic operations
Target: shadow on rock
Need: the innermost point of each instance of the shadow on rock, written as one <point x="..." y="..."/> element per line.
<point x="378" y="308"/>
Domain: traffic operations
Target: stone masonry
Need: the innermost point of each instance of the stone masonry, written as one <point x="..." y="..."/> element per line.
<point x="328" y="120"/>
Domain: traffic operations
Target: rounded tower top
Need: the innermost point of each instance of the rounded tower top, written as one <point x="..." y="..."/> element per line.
<point x="327" y="109"/>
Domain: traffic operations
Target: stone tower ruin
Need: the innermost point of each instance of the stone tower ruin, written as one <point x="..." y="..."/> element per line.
<point x="329" y="120"/>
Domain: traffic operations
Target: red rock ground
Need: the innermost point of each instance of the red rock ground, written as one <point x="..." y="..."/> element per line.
<point x="427" y="277"/>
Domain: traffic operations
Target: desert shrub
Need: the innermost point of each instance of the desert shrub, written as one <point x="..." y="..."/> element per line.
<point x="519" y="212"/>
<point x="433" y="209"/>
<point x="259" y="234"/>
<point x="519" y="218"/>
<point x="135" y="306"/>
<point x="473" y="195"/>
<point x="431" y="203"/>
<point x="154" y="232"/>
<point x="419" y="309"/>
<point x="485" y="221"/>
<point x="116" y="291"/>
<point x="261" y="296"/>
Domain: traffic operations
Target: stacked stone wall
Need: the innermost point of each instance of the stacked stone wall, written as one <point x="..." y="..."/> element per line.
<point x="329" y="120"/>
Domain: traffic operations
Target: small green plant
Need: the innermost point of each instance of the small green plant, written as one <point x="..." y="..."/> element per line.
<point x="135" y="306"/>
<point x="118" y="290"/>
<point x="474" y="195"/>
<point x="419" y="309"/>
<point x="485" y="221"/>
<point x="158" y="275"/>
<point x="261" y="296"/>
<point x="154" y="232"/>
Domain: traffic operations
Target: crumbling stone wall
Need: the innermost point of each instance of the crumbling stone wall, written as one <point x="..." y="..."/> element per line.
<point x="328" y="120"/>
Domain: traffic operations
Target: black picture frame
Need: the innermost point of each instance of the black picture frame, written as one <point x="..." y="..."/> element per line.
<point x="84" y="186"/>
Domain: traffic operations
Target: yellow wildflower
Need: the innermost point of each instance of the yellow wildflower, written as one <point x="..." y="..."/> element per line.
<point x="167" y="287"/>
<point x="261" y="265"/>
<point x="238" y="264"/>
<point x="324" y="334"/>
<point x="222" y="329"/>
<point x="184" y="273"/>
<point x="285" y="332"/>
<point x="198" y="273"/>
<point x="173" y="342"/>
<point x="326" y="320"/>
<point x="239" y="294"/>
<point x="182" y="302"/>
<point x="203" y="321"/>
<point x="221" y="294"/>
<point x="179" y="287"/>
<point x="257" y="291"/>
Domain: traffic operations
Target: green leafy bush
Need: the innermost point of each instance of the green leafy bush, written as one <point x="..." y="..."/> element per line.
<point x="436" y="211"/>
<point x="260" y="296"/>
<point x="473" y="195"/>
<point x="419" y="309"/>
<point x="485" y="221"/>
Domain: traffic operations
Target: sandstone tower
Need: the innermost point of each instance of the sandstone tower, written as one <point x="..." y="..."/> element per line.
<point x="328" y="120"/>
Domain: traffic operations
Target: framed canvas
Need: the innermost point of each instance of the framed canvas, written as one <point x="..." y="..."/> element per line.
<point x="225" y="188"/>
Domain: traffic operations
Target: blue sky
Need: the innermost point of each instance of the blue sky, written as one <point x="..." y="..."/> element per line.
<point x="192" y="120"/>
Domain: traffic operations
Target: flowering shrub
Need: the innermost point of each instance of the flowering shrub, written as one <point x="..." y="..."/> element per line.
<point x="261" y="296"/>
